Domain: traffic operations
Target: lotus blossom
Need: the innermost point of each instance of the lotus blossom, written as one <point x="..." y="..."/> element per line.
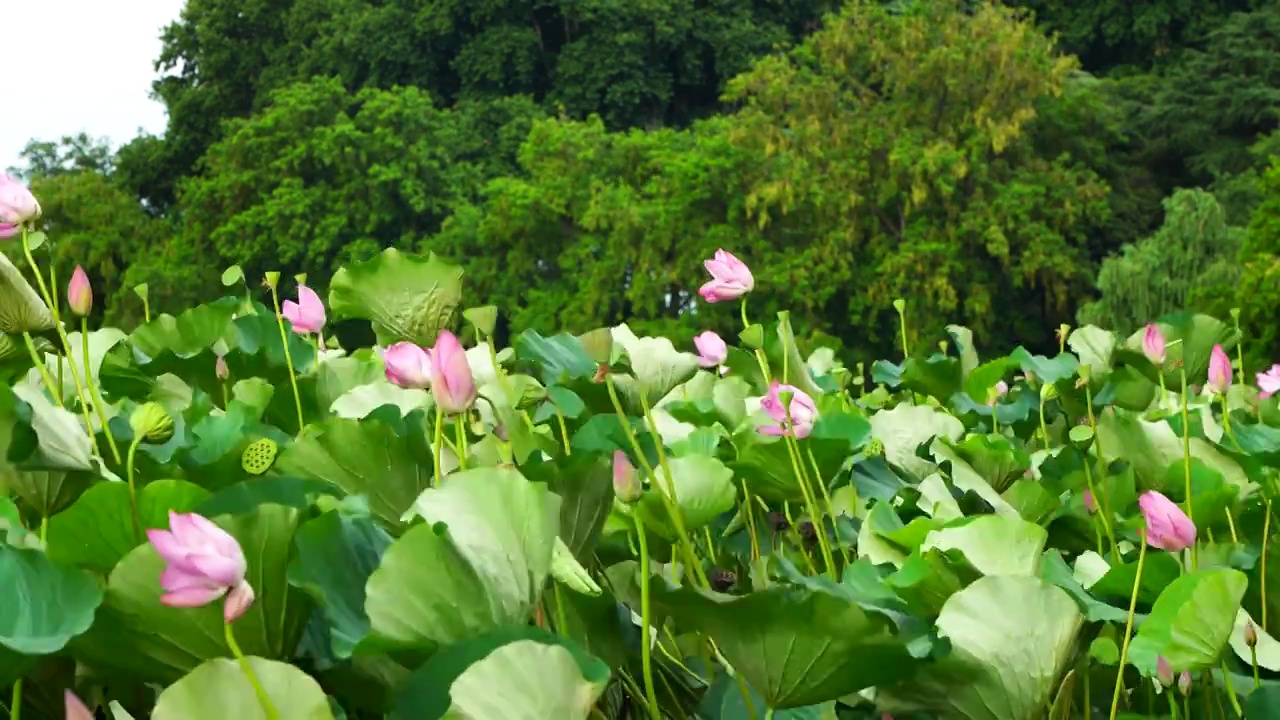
<point x="1163" y="672"/>
<point x="711" y="349"/>
<point x="80" y="293"/>
<point x="17" y="206"/>
<point x="1153" y="345"/>
<point x="997" y="391"/>
<point x="452" y="385"/>
<point x="730" y="278"/>
<point x="1168" y="528"/>
<point x="1219" y="370"/>
<point x="626" y="482"/>
<point x="75" y="709"/>
<point x="220" y="369"/>
<point x="1269" y="382"/>
<point x="307" y="315"/>
<point x="1090" y="502"/>
<point x="408" y="365"/>
<point x="202" y="563"/>
<point x="804" y="413"/>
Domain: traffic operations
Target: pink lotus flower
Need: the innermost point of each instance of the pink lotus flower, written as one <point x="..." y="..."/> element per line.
<point x="452" y="385"/>
<point x="307" y="315"/>
<point x="997" y="391"/>
<point x="220" y="369"/>
<point x="711" y="349"/>
<point x="1168" y="528"/>
<point x="203" y="563"/>
<point x="1163" y="672"/>
<point x="1219" y="370"/>
<point x="804" y="413"/>
<point x="626" y="483"/>
<point x="1153" y="345"/>
<point x="80" y="293"/>
<point x="75" y="709"/>
<point x="730" y="278"/>
<point x="1269" y="382"/>
<point x="407" y="365"/>
<point x="17" y="206"/>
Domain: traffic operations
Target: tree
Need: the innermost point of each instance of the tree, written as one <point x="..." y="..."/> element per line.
<point x="887" y="156"/>
<point x="1192" y="254"/>
<point x="321" y="177"/>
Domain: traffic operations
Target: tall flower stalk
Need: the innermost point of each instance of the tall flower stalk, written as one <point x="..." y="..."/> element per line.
<point x="273" y="280"/>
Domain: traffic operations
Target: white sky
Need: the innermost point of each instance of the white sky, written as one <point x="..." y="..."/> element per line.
<point x="80" y="66"/>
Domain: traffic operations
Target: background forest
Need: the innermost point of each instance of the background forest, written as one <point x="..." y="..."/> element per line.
<point x="1007" y="167"/>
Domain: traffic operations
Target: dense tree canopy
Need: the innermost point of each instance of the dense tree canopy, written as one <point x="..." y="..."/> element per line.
<point x="1007" y="166"/>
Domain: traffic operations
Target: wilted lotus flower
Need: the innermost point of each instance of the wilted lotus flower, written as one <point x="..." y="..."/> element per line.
<point x="804" y="413"/>
<point x="407" y="365"/>
<point x="202" y="564"/>
<point x="730" y="278"/>
<point x="17" y="206"/>
<point x="711" y="349"/>
<point x="80" y="293"/>
<point x="1168" y="528"/>
<point x="626" y="482"/>
<point x="452" y="385"/>
<point x="307" y="315"/>
<point x="1269" y="382"/>
<point x="1163" y="672"/>
<point x="1219" y="370"/>
<point x="76" y="710"/>
<point x="1153" y="345"/>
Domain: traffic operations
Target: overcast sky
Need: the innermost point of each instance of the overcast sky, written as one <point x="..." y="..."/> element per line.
<point x="80" y="66"/>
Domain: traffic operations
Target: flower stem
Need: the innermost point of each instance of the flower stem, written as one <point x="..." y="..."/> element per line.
<point x="15" y="707"/>
<point x="810" y="500"/>
<point x="133" y="488"/>
<point x="1253" y="658"/>
<point x="288" y="357"/>
<point x="437" y="445"/>
<point x="250" y="674"/>
<point x="1266" y="540"/>
<point x="1103" y="507"/>
<point x="564" y="431"/>
<point x="751" y="522"/>
<point x="460" y="433"/>
<point x="1128" y="626"/>
<point x="668" y="500"/>
<point x="646" y="651"/>
<point x="94" y="395"/>
<point x="42" y="368"/>
<point x="1186" y="462"/>
<point x="1231" y="693"/>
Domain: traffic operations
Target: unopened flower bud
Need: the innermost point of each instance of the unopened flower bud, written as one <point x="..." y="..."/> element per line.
<point x="626" y="482"/>
<point x="80" y="293"/>
<point x="1250" y="634"/>
<point x="151" y="422"/>
<point x="1163" y="672"/>
<point x="1184" y="683"/>
<point x="220" y="369"/>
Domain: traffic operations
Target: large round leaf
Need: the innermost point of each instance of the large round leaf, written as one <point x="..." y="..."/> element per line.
<point x="97" y="531"/>
<point x="46" y="491"/>
<point x="656" y="367"/>
<point x="46" y="604"/>
<point x="1191" y="621"/>
<point x="796" y="646"/>
<point x="219" y="689"/>
<point x="993" y="544"/>
<point x="61" y="440"/>
<point x="337" y="553"/>
<point x="479" y="562"/>
<point x="406" y="297"/>
<point x="1011" y="639"/>
<point x="138" y="635"/>
<point x="703" y="489"/>
<point x="906" y="427"/>
<point x="365" y="457"/>
<point x="21" y="309"/>
<point x="514" y="674"/>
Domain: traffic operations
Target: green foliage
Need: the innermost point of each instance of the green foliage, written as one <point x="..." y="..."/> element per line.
<point x="1192" y="254"/>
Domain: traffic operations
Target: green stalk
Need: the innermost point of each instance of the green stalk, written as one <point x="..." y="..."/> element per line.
<point x="1128" y="626"/>
<point x="1102" y="508"/>
<point x="1266" y="540"/>
<point x="564" y="431"/>
<point x="42" y="368"/>
<point x="15" y="707"/>
<point x="437" y="445"/>
<point x="1253" y="658"/>
<point x="288" y="357"/>
<point x="1231" y="693"/>
<point x="677" y="520"/>
<point x="810" y="501"/>
<point x="460" y="433"/>
<point x="133" y="488"/>
<point x="646" y="651"/>
<point x="94" y="394"/>
<point x="258" y="690"/>
<point x="751" y="521"/>
<point x="1186" y="462"/>
<point x="761" y="360"/>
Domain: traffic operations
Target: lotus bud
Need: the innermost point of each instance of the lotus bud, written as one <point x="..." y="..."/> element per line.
<point x="80" y="293"/>
<point x="220" y="369"/>
<point x="1250" y="634"/>
<point x="1153" y="345"/>
<point x="1184" y="683"/>
<point x="1219" y="370"/>
<point x="626" y="482"/>
<point x="75" y="709"/>
<point x="1167" y="526"/>
<point x="151" y="422"/>
<point x="730" y="278"/>
<point x="17" y="206"/>
<point x="1163" y="672"/>
<point x="1090" y="502"/>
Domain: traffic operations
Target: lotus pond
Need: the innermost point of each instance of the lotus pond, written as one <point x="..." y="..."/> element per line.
<point x="260" y="523"/>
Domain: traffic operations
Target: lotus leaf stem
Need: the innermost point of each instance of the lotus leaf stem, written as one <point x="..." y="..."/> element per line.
<point x="94" y="394"/>
<point x="646" y="649"/>
<point x="1186" y="463"/>
<point x="42" y="368"/>
<point x="133" y="488"/>
<point x="261" y="692"/>
<point x="1128" y="625"/>
<point x="437" y="446"/>
<point x="288" y="356"/>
